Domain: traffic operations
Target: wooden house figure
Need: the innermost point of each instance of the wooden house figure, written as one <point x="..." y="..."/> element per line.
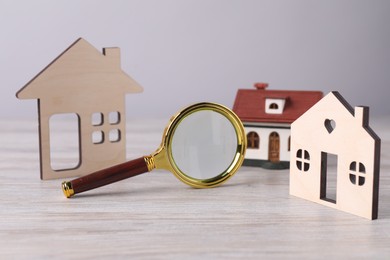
<point x="267" y="116"/>
<point x="91" y="86"/>
<point x="335" y="157"/>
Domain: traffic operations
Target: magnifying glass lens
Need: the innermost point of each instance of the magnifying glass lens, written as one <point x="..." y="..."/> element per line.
<point x="204" y="145"/>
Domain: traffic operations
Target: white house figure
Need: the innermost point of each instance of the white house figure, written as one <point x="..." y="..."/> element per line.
<point x="333" y="129"/>
<point x="267" y="116"/>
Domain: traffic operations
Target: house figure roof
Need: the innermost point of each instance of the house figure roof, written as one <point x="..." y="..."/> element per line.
<point x="250" y="104"/>
<point x="80" y="68"/>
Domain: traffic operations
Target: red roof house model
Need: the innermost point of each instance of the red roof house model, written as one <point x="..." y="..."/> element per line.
<point x="267" y="116"/>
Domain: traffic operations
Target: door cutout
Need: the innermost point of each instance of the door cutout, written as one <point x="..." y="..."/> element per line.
<point x="64" y="141"/>
<point x="328" y="190"/>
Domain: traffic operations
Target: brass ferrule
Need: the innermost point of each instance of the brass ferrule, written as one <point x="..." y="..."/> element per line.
<point x="149" y="160"/>
<point x="67" y="189"/>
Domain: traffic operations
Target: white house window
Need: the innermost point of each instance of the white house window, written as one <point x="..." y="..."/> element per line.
<point x="274" y="105"/>
<point x="100" y="134"/>
<point x="357" y="175"/>
<point x="303" y="160"/>
<point x="253" y="140"/>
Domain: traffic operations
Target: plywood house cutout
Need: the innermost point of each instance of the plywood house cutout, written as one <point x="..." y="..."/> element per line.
<point x="267" y="116"/>
<point x="90" y="86"/>
<point x="335" y="157"/>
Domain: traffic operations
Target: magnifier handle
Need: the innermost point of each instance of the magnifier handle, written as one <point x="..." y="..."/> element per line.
<point x="105" y="176"/>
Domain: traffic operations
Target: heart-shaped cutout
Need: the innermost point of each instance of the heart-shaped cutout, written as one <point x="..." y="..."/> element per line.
<point x="330" y="125"/>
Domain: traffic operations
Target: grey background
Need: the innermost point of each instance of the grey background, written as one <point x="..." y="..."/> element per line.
<point x="184" y="51"/>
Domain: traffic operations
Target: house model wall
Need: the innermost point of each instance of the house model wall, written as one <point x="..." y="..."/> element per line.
<point x="90" y="85"/>
<point x="333" y="129"/>
<point x="267" y="116"/>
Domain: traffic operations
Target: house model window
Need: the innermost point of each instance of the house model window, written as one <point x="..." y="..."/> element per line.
<point x="357" y="176"/>
<point x="274" y="105"/>
<point x="114" y="118"/>
<point x="253" y="140"/>
<point x="97" y="137"/>
<point x="303" y="160"/>
<point x="98" y="121"/>
<point x="114" y="135"/>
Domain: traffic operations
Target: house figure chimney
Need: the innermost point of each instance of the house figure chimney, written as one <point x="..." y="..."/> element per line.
<point x="261" y="85"/>
<point x="114" y="55"/>
<point x="361" y="115"/>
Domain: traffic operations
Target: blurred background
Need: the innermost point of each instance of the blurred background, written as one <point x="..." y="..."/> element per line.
<point x="185" y="51"/>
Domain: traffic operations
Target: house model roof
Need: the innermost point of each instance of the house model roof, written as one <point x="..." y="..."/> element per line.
<point x="81" y="68"/>
<point x="250" y="104"/>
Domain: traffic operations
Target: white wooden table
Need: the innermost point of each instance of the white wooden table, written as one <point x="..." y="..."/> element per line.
<point x="156" y="216"/>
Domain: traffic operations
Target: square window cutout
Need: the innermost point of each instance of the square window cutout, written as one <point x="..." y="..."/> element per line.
<point x="114" y="135"/>
<point x="97" y="119"/>
<point x="114" y="118"/>
<point x="97" y="137"/>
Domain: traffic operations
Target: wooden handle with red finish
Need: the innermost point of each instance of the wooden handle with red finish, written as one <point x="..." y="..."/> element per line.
<point x="105" y="176"/>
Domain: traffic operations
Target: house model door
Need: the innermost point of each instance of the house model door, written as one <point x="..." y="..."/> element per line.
<point x="273" y="151"/>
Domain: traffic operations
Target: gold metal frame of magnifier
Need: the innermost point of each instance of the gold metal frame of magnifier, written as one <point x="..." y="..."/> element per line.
<point x="162" y="158"/>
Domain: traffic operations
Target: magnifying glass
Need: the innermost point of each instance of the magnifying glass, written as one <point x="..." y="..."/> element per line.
<point x="203" y="146"/>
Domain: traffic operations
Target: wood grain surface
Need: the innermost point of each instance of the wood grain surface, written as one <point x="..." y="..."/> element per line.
<point x="155" y="216"/>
